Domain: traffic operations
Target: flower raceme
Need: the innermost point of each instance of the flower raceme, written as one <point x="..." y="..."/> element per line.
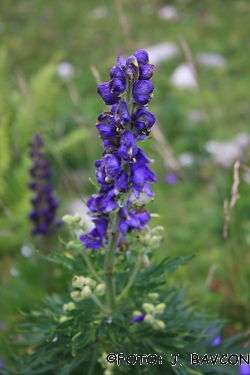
<point x="123" y="167"/>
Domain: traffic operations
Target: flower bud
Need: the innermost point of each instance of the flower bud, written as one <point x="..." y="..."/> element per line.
<point x="159" y="324"/>
<point x="76" y="295"/>
<point x="155" y="242"/>
<point x="153" y="295"/>
<point x="160" y="308"/>
<point x="89" y="282"/>
<point x="64" y="319"/>
<point x="158" y="230"/>
<point x="148" y="308"/>
<point x="100" y="289"/>
<point x="68" y="219"/>
<point x="137" y="313"/>
<point x="78" y="281"/>
<point x="77" y="217"/>
<point x="69" y="245"/>
<point x="86" y="292"/>
<point x="146" y="239"/>
<point x="69" y="306"/>
<point x="148" y="319"/>
<point x="145" y="262"/>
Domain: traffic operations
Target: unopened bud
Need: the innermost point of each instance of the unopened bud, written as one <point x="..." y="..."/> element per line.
<point x="159" y="325"/>
<point x="69" y="245"/>
<point x="68" y="219"/>
<point x="148" y="308"/>
<point x="76" y="295"/>
<point x="100" y="289"/>
<point x="148" y="318"/>
<point x="136" y="313"/>
<point x="78" y="281"/>
<point x="86" y="292"/>
<point x="69" y="306"/>
<point x="81" y="224"/>
<point x="153" y="295"/>
<point x="145" y="262"/>
<point x="155" y="242"/>
<point x="158" y="230"/>
<point x="89" y="282"/>
<point x="160" y="308"/>
<point x="146" y="239"/>
<point x="64" y="319"/>
<point x="77" y="217"/>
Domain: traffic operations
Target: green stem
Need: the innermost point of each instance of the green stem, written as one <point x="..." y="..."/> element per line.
<point x="90" y="266"/>
<point x="109" y="265"/>
<point x="131" y="280"/>
<point x="99" y="303"/>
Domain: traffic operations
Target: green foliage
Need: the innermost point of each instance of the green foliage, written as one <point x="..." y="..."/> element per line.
<point x="64" y="342"/>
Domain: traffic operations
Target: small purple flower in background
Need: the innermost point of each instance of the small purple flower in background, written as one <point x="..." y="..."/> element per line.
<point x="1" y="363"/>
<point x="1" y="325"/>
<point x="138" y="318"/>
<point x="171" y="178"/>
<point x="43" y="214"/>
<point x="244" y="369"/>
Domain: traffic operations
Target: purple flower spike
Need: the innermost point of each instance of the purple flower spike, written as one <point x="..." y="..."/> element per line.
<point x="138" y="318"/>
<point x="142" y="92"/>
<point x="108" y="97"/>
<point x="244" y="369"/>
<point x="171" y="178"/>
<point x="44" y="203"/>
<point x="141" y="56"/>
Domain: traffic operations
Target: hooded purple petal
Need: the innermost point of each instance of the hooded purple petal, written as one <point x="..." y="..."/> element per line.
<point x="141" y="56"/>
<point x="108" y="97"/>
<point x="142" y="92"/>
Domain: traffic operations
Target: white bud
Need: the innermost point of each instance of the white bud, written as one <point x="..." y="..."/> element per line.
<point x="153" y="295"/>
<point x="68" y="219"/>
<point x="86" y="292"/>
<point x="136" y="313"/>
<point x="76" y="295"/>
<point x="100" y="289"/>
<point x="160" y="308"/>
<point x="77" y="217"/>
<point x="78" y="281"/>
<point x="89" y="282"/>
<point x="158" y="230"/>
<point x="148" y="308"/>
<point x="155" y="242"/>
<point x="64" y="319"/>
<point x="69" y="306"/>
<point x="148" y="318"/>
<point x="82" y="224"/>
<point x="146" y="239"/>
<point x="159" y="325"/>
<point x="145" y="262"/>
<point x="70" y="244"/>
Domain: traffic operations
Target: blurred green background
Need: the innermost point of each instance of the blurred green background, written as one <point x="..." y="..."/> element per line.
<point x="52" y="54"/>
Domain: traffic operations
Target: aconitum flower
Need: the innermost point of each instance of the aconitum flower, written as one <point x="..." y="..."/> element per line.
<point x="244" y="369"/>
<point x="43" y="214"/>
<point x="123" y="168"/>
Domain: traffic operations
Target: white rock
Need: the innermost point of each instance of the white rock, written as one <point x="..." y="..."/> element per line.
<point x="184" y="77"/>
<point x="196" y="115"/>
<point x="65" y="70"/>
<point x="186" y="159"/>
<point x="210" y="60"/>
<point x="162" y="52"/>
<point x="78" y="206"/>
<point x="99" y="12"/>
<point x="169" y="13"/>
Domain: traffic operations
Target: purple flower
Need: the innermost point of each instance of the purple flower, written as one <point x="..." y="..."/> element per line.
<point x="122" y="115"/>
<point x="105" y="92"/>
<point x="142" y="92"/>
<point x="128" y="148"/>
<point x="171" y="178"/>
<point x="132" y="69"/>
<point x="215" y="340"/>
<point x="143" y="120"/>
<point x="134" y="219"/>
<point x="93" y="239"/>
<point x="146" y="71"/>
<point x="141" y="175"/>
<point x="141" y="56"/>
<point x="1" y="363"/>
<point x="138" y="318"/>
<point x="244" y="369"/>
<point x="44" y="203"/>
